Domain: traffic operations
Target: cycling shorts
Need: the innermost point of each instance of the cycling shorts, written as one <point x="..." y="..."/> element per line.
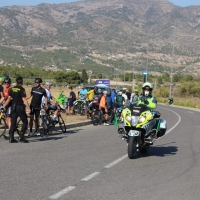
<point x="8" y="111"/>
<point x="52" y="107"/>
<point x="34" y="111"/>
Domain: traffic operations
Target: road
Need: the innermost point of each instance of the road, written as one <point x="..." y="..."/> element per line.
<point x="90" y="163"/>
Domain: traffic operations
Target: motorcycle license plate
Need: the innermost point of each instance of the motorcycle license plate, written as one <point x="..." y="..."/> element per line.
<point x="133" y="133"/>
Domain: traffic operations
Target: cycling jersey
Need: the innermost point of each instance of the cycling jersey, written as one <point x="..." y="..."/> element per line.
<point x="6" y="91"/>
<point x="37" y="94"/>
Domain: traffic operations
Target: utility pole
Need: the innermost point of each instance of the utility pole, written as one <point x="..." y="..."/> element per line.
<point x="170" y="91"/>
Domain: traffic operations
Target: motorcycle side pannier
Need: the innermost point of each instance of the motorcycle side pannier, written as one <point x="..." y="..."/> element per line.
<point x="163" y="128"/>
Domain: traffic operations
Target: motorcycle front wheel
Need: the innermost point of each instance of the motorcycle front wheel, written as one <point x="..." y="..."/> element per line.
<point x="132" y="149"/>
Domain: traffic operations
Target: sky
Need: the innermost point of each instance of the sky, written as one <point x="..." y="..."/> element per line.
<point x="182" y="3"/>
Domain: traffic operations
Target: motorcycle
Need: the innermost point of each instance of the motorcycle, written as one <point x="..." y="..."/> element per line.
<point x="142" y="127"/>
<point x="62" y="100"/>
<point x="170" y="101"/>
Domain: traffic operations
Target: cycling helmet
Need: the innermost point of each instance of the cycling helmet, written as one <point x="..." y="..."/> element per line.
<point x="105" y="92"/>
<point x="136" y="90"/>
<point x="1" y="79"/>
<point x="48" y="83"/>
<point x="7" y="80"/>
<point x="39" y="80"/>
<point x="119" y="93"/>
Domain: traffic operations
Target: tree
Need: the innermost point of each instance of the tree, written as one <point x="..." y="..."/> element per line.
<point x="84" y="76"/>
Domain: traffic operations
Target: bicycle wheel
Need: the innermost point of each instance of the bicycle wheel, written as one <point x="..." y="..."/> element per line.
<point x="2" y="126"/>
<point x="61" y="123"/>
<point x="20" y="123"/>
<point x="46" y="125"/>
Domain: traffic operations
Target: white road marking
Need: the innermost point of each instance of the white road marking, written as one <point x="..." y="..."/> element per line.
<point x="87" y="178"/>
<point x="116" y="162"/>
<point x="179" y="120"/>
<point x="62" y="192"/>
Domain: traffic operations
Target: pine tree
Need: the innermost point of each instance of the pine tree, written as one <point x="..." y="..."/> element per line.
<point x="84" y="76"/>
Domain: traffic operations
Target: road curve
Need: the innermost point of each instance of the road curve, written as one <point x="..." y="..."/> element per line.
<point x="91" y="163"/>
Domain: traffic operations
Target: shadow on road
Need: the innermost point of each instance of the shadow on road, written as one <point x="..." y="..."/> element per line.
<point x="161" y="151"/>
<point x="54" y="136"/>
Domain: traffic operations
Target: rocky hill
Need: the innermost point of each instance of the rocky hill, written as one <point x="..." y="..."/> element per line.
<point x="103" y="33"/>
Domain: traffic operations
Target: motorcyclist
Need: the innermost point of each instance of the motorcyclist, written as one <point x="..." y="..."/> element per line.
<point x="170" y="100"/>
<point x="147" y="97"/>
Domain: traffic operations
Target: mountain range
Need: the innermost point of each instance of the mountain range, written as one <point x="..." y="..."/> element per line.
<point x="146" y="33"/>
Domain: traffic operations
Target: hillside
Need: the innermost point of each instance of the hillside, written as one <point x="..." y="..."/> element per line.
<point x="102" y="36"/>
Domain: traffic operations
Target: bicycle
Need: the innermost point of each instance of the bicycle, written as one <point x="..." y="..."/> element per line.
<point x="3" y="125"/>
<point x="59" y="120"/>
<point x="19" y="125"/>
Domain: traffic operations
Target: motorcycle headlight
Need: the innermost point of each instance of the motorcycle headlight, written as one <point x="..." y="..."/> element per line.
<point x="128" y="118"/>
<point x="141" y="119"/>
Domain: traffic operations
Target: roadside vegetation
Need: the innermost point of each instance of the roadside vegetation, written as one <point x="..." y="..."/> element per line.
<point x="185" y="88"/>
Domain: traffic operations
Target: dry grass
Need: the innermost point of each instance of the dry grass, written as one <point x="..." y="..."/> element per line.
<point x="55" y="91"/>
<point x="185" y="102"/>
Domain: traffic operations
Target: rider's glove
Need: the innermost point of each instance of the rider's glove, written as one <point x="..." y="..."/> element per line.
<point x="146" y="102"/>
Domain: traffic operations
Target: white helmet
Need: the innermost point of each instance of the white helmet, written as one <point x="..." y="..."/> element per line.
<point x="48" y="83"/>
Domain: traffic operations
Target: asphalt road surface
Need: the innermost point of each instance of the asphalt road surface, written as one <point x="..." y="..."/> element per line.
<point x="91" y="163"/>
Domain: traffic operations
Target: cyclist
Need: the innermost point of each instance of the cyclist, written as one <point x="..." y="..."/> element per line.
<point x="135" y="98"/>
<point x="7" y="106"/>
<point x="37" y="93"/>
<point x="90" y="94"/>
<point x="82" y="93"/>
<point x="50" y="98"/>
<point x="71" y="99"/>
<point x="125" y="97"/>
<point x="1" y="90"/>
<point x="103" y="108"/>
<point x="119" y="100"/>
<point x="147" y="97"/>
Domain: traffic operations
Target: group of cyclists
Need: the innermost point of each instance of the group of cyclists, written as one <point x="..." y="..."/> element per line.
<point x="118" y="98"/>
<point x="40" y="97"/>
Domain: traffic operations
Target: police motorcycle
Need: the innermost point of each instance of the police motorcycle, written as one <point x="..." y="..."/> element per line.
<point x="142" y="127"/>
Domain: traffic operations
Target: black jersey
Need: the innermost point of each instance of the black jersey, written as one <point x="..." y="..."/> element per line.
<point x="37" y="94"/>
<point x="1" y="88"/>
<point x="17" y="93"/>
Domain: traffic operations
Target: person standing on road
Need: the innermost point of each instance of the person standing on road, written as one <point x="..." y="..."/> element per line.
<point x="17" y="97"/>
<point x="71" y="99"/>
<point x="7" y="82"/>
<point x="1" y="90"/>
<point x="128" y="94"/>
<point x="103" y="108"/>
<point x="125" y="97"/>
<point x="82" y="93"/>
<point x="37" y="93"/>
<point x="135" y="98"/>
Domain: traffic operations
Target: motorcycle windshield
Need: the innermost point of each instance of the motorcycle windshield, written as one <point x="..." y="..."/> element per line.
<point x="136" y="110"/>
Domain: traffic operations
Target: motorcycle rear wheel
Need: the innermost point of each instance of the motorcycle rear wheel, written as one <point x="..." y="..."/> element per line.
<point x="132" y="149"/>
